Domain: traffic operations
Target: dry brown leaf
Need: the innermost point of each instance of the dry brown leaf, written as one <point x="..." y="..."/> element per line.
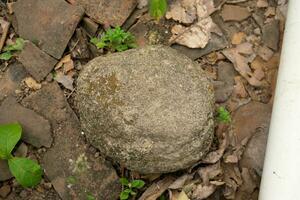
<point x="65" y="80"/>
<point x="238" y="38"/>
<point x="265" y="53"/>
<point x="4" y="27"/>
<point x="203" y="191"/>
<point x="239" y="88"/>
<point x="210" y="172"/>
<point x="182" y="11"/>
<point x="215" y="156"/>
<point x="196" y="36"/>
<point x="157" y="189"/>
<point x="232" y="179"/>
<point x="180" y="182"/>
<point x="67" y="62"/>
<point x="32" y="84"/>
<point x="187" y="11"/>
<point x="240" y="62"/>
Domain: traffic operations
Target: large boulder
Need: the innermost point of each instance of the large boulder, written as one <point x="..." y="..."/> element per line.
<point x="150" y="109"/>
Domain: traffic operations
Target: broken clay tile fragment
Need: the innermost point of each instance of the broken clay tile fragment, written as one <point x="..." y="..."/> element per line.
<point x="234" y="13"/>
<point x="108" y="12"/>
<point x="37" y="63"/>
<point x="50" y="24"/>
<point x="271" y="34"/>
<point x="36" y="129"/>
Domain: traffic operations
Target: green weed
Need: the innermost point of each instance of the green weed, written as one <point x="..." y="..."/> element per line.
<point x="223" y="115"/>
<point x="27" y="172"/>
<point x="9" y="49"/>
<point x="115" y="40"/>
<point x="130" y="188"/>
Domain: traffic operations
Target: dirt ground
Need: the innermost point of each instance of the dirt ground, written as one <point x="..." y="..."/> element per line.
<point x="236" y="42"/>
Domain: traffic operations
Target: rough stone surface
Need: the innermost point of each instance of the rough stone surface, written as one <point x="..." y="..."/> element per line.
<point x="108" y="12"/>
<point x="50" y="24"/>
<point x="36" y="129"/>
<point x="149" y="108"/>
<point x="234" y="13"/>
<point x="37" y="63"/>
<point x="71" y="168"/>
<point x="225" y="83"/>
<point x="271" y="35"/>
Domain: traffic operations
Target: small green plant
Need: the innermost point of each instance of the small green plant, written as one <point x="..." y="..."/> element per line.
<point x="158" y="8"/>
<point x="115" y="40"/>
<point x="9" y="49"/>
<point x="129" y="188"/>
<point x="27" y="172"/>
<point x="223" y="115"/>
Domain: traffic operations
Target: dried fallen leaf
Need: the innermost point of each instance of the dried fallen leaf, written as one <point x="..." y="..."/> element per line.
<point x="238" y="56"/>
<point x="157" y="189"/>
<point x="215" y="156"/>
<point x="182" y="11"/>
<point x="203" y="191"/>
<point x="66" y="60"/>
<point x="4" y="27"/>
<point x="180" y="182"/>
<point x="183" y="196"/>
<point x="65" y="80"/>
<point x="232" y="179"/>
<point x="210" y="172"/>
<point x="238" y="38"/>
<point x="195" y="36"/>
<point x="32" y="84"/>
<point x="239" y="88"/>
<point x="265" y="53"/>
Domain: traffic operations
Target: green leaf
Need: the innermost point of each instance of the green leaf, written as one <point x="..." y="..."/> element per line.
<point x="27" y="172"/>
<point x="6" y="55"/>
<point x="137" y="184"/>
<point x="158" y="8"/>
<point x="10" y="134"/>
<point x="125" y="194"/>
<point x="124" y="181"/>
<point x="223" y="115"/>
<point x="115" y="40"/>
<point x="17" y="46"/>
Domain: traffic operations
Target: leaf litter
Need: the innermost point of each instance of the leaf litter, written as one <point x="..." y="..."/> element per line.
<point x="196" y="14"/>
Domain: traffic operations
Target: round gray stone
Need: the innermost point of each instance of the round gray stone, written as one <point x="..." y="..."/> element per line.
<point x="150" y="109"/>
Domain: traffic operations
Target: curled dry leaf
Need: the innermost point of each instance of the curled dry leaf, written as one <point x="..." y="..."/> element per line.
<point x="240" y="58"/>
<point x="32" y="84"/>
<point x="157" y="189"/>
<point x="210" y="172"/>
<point x="182" y="11"/>
<point x="239" y="88"/>
<point x="187" y="11"/>
<point x="66" y="62"/>
<point x="4" y="27"/>
<point x="65" y="80"/>
<point x="232" y="179"/>
<point x="215" y="156"/>
<point x="195" y="36"/>
<point x="180" y="182"/>
<point x="203" y="191"/>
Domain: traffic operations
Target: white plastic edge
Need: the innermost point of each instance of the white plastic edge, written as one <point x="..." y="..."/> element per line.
<point x="281" y="173"/>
